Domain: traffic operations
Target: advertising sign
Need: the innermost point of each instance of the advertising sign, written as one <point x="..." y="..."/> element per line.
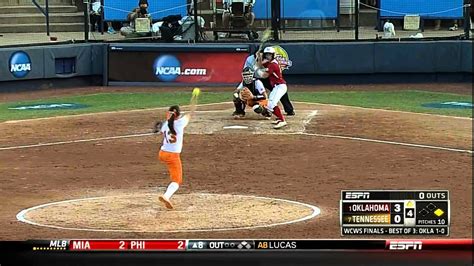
<point x="176" y="67"/>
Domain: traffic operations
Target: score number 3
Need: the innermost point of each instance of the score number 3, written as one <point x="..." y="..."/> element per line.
<point x="397" y="219"/>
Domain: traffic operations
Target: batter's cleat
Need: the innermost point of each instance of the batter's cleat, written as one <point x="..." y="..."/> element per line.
<point x="292" y="113"/>
<point x="280" y="124"/>
<point x="166" y="202"/>
<point x="275" y="122"/>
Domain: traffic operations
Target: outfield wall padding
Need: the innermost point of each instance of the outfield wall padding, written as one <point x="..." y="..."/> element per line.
<point x="310" y="58"/>
<point x="37" y="61"/>
<point x="89" y="60"/>
<point x="466" y="58"/>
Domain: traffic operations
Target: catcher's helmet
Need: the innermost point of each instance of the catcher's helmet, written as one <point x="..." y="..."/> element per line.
<point x="247" y="75"/>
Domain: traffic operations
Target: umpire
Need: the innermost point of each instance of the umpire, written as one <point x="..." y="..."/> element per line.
<point x="285" y="100"/>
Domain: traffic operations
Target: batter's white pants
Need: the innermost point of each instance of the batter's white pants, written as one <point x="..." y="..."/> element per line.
<point x="275" y="96"/>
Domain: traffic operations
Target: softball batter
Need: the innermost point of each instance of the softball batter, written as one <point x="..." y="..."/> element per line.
<point x="270" y="68"/>
<point x="173" y="134"/>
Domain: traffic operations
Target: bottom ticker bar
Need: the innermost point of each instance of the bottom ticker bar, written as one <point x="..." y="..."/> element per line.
<point x="235" y="245"/>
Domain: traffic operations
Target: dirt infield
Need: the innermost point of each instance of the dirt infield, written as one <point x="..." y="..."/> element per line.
<point x="309" y="162"/>
<point x="192" y="213"/>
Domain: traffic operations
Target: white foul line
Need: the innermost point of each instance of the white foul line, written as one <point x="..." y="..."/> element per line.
<point x="75" y="141"/>
<point x="385" y="110"/>
<point x="276" y="133"/>
<point x="21" y="216"/>
<point x="387" y="142"/>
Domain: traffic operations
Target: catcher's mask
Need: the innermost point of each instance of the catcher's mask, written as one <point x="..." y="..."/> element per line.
<point x="175" y="110"/>
<point x="247" y="75"/>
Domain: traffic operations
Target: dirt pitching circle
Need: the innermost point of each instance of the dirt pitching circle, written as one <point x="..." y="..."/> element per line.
<point x="143" y="213"/>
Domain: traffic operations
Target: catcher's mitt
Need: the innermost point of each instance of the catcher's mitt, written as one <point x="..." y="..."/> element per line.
<point x="246" y="95"/>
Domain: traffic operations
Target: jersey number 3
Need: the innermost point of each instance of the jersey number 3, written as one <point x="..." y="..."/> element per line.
<point x="170" y="138"/>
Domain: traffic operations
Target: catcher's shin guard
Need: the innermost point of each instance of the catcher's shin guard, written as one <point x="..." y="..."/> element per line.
<point x="257" y="109"/>
<point x="239" y="106"/>
<point x="261" y="110"/>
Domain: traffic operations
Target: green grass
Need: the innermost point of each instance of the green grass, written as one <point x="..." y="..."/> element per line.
<point x="394" y="100"/>
<point x="107" y="102"/>
<point x="410" y="101"/>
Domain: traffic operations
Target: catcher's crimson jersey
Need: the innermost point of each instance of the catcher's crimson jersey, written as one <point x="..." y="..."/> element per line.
<point x="273" y="68"/>
<point x="170" y="144"/>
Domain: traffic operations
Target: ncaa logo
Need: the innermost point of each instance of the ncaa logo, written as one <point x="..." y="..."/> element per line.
<point x="167" y="68"/>
<point x="20" y="64"/>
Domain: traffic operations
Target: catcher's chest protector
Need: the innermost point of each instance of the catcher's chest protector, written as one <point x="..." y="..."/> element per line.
<point x="252" y="88"/>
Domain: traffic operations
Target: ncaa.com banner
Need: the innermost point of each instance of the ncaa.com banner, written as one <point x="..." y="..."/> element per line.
<point x="176" y="67"/>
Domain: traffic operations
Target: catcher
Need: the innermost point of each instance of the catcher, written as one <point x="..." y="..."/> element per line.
<point x="250" y="92"/>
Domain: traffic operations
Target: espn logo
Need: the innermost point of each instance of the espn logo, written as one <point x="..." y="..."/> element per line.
<point x="405" y="245"/>
<point x="357" y="195"/>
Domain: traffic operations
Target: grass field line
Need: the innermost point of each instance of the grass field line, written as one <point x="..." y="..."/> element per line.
<point x="220" y="103"/>
<point x="353" y="138"/>
<point x="384" y="110"/>
<point x="108" y="112"/>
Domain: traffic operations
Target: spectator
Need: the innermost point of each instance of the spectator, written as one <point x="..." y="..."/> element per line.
<point x="455" y="25"/>
<point x="248" y="13"/>
<point x="140" y="12"/>
<point x="452" y="28"/>
<point x="95" y="15"/>
<point x="171" y="27"/>
<point x="437" y="24"/>
<point x="110" y="28"/>
<point x="388" y="29"/>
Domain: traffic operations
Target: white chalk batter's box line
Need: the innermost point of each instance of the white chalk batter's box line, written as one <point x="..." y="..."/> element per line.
<point x="21" y="215"/>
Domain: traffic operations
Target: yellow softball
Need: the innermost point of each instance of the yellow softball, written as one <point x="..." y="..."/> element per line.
<point x="196" y="92"/>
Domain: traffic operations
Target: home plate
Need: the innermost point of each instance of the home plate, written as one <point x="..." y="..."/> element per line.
<point x="236" y="127"/>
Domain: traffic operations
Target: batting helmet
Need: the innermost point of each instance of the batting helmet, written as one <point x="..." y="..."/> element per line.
<point x="269" y="51"/>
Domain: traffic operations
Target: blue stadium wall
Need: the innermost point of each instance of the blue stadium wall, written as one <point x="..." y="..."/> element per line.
<point x="312" y="62"/>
